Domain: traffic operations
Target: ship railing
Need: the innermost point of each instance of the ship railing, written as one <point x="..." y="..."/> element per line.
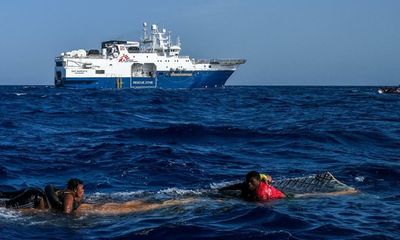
<point x="86" y="57"/>
<point x="221" y="61"/>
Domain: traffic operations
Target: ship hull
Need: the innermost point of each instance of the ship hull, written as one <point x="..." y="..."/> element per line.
<point x="165" y="80"/>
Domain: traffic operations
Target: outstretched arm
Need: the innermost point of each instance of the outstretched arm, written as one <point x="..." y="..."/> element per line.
<point x="128" y="207"/>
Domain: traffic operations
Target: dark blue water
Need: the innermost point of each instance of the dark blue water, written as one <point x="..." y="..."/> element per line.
<point x="158" y="144"/>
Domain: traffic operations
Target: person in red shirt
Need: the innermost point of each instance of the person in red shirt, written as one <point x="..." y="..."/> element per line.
<point x="256" y="187"/>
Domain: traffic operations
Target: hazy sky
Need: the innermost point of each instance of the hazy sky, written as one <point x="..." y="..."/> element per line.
<point x="298" y="42"/>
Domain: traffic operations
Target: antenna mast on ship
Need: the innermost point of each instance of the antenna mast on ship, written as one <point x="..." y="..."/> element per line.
<point x="144" y="31"/>
<point x="159" y="41"/>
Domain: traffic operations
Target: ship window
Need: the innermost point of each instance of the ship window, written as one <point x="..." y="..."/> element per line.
<point x="100" y="71"/>
<point x="133" y="49"/>
<point x="209" y="66"/>
<point x="59" y="63"/>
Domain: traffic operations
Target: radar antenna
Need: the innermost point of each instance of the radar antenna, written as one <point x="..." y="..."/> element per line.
<point x="144" y="31"/>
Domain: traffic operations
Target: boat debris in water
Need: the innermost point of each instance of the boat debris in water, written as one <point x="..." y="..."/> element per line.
<point x="392" y="90"/>
<point x="319" y="184"/>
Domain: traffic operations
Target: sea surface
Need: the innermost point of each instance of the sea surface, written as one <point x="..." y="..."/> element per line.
<point x="156" y="145"/>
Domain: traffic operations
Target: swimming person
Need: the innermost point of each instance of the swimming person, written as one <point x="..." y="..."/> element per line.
<point x="256" y="187"/>
<point x="70" y="200"/>
<point x="67" y="200"/>
<point x="51" y="198"/>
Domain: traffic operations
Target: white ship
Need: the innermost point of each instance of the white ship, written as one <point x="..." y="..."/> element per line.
<point x="153" y="62"/>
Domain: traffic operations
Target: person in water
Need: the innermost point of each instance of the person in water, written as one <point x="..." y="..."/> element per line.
<point x="256" y="187"/>
<point x="70" y="200"/>
<point x="63" y="200"/>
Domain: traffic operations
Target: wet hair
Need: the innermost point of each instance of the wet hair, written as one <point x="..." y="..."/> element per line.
<point x="73" y="183"/>
<point x="252" y="174"/>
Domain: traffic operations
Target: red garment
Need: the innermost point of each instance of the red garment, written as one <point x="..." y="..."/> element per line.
<point x="268" y="192"/>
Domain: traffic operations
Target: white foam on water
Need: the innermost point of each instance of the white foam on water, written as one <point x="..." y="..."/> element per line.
<point x="9" y="214"/>
<point x="116" y="195"/>
<point x="359" y="178"/>
<point x="39" y="222"/>
<point x="142" y="117"/>
<point x="180" y="192"/>
<point x="223" y="184"/>
<point x="20" y="94"/>
<point x="126" y="196"/>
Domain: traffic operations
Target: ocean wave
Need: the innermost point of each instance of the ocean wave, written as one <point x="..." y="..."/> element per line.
<point x="120" y="196"/>
<point x="180" y="192"/>
<point x="373" y="177"/>
<point x="194" y="131"/>
<point x="182" y="231"/>
<point x="331" y="230"/>
<point x="366" y="137"/>
<point x="8" y="124"/>
<point x="188" y="131"/>
<point x="167" y="193"/>
<point x="218" y="185"/>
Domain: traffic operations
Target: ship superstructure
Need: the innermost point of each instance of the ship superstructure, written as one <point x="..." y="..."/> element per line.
<point x="152" y="62"/>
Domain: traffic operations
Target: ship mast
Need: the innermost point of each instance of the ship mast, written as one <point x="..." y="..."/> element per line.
<point x="144" y="31"/>
<point x="159" y="41"/>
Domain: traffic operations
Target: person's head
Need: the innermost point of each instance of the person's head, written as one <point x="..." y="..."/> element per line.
<point x="253" y="180"/>
<point x="76" y="185"/>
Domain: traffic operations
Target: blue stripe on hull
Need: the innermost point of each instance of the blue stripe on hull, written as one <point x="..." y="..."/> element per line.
<point x="199" y="79"/>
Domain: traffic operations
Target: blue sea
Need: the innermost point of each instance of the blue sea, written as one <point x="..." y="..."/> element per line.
<point x="156" y="145"/>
